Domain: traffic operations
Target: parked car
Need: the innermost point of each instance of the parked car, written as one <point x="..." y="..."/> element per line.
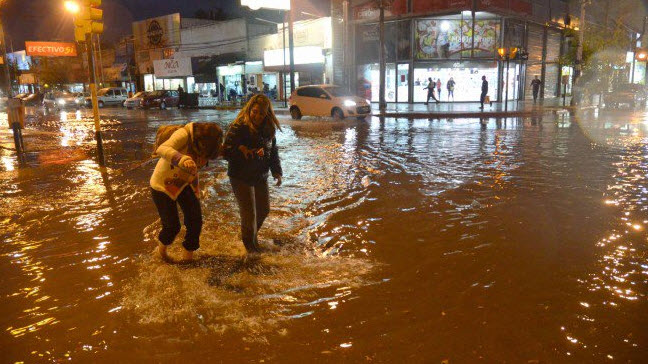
<point x="60" y="100"/>
<point x="161" y="99"/>
<point x="136" y="100"/>
<point x="109" y="96"/>
<point x="327" y="100"/>
<point x="81" y="98"/>
<point x="631" y="94"/>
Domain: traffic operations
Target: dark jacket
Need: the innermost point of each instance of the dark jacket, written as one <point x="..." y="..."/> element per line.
<point x="484" y="87"/>
<point x="255" y="169"/>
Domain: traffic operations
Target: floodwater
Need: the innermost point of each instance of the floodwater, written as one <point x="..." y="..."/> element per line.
<point x="513" y="240"/>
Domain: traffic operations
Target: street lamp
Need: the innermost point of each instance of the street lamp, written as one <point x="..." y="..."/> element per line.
<point x="72" y="6"/>
<point x="507" y="54"/>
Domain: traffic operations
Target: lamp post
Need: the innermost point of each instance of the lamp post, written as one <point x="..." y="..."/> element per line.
<point x="507" y="54"/>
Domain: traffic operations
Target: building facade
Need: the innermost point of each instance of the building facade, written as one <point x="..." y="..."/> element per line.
<point x="458" y="39"/>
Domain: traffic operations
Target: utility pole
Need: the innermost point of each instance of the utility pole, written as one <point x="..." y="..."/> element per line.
<point x="634" y="49"/>
<point x="382" y="105"/>
<point x="291" y="45"/>
<point x="283" y="71"/>
<point x="15" y="111"/>
<point x="581" y="33"/>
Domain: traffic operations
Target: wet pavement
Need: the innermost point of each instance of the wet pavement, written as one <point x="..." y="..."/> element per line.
<point x="466" y="240"/>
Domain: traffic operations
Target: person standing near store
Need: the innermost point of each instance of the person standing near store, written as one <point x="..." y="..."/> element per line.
<point x="430" y="91"/>
<point x="438" y="85"/>
<point x="484" y="92"/>
<point x="251" y="149"/>
<point x="536" y="83"/>
<point x="181" y="96"/>
<point x="450" y="86"/>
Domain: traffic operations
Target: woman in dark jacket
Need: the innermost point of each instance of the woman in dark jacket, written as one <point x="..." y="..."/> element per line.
<point x="251" y="150"/>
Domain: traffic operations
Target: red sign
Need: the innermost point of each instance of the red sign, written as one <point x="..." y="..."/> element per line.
<point x="429" y="6"/>
<point x="50" y="49"/>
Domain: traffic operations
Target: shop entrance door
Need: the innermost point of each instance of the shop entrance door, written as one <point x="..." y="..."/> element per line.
<point x="513" y="83"/>
<point x="402" y="83"/>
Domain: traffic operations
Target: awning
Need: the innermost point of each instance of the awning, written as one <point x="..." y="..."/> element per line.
<point x="313" y="67"/>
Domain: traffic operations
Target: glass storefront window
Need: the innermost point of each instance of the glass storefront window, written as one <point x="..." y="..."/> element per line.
<point x="467" y="81"/>
<point x="368" y="81"/>
<point x="148" y="82"/>
<point x="513" y="83"/>
<point x="451" y="38"/>
<point x="191" y="85"/>
<point x="158" y="84"/>
<point x="402" y="82"/>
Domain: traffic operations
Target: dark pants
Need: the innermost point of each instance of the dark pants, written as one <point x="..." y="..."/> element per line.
<point x="535" y="93"/>
<point x="430" y="94"/>
<point x="168" y="210"/>
<point x="254" y="206"/>
<point x="482" y="97"/>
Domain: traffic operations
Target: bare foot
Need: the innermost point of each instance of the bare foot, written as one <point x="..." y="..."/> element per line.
<point x="161" y="250"/>
<point x="187" y="256"/>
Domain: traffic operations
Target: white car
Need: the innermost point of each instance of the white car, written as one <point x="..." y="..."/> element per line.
<point x="109" y="96"/>
<point x="135" y="101"/>
<point x="327" y="100"/>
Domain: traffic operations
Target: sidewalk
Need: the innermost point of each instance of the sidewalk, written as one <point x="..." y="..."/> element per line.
<point x="456" y="109"/>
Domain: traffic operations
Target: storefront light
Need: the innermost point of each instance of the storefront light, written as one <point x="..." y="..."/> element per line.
<point x="445" y="25"/>
<point x="466" y="13"/>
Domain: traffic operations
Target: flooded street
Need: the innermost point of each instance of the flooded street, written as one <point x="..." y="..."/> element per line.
<point x="509" y="240"/>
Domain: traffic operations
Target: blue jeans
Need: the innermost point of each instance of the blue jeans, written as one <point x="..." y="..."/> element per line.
<point x="168" y="210"/>
<point x="254" y="206"/>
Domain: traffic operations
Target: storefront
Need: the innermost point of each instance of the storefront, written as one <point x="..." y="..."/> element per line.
<point x="309" y="67"/>
<point x="439" y="48"/>
<point x="169" y="75"/>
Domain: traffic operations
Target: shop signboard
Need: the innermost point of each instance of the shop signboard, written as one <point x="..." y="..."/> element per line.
<point x="302" y="55"/>
<point x="169" y="68"/>
<point x="26" y="79"/>
<point x="21" y="59"/>
<point x="429" y="6"/>
<point x="371" y="10"/>
<point x="160" y="32"/>
<point x="493" y="4"/>
<point x="50" y="49"/>
<point x="452" y="39"/>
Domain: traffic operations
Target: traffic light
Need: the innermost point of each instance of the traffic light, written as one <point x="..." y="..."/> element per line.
<point x="89" y="20"/>
<point x="641" y="54"/>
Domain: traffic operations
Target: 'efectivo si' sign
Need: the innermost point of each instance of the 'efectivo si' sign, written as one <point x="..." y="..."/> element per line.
<point x="177" y="67"/>
<point x="50" y="49"/>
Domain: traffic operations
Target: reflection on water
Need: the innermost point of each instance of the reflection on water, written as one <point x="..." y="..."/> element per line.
<point x="508" y="240"/>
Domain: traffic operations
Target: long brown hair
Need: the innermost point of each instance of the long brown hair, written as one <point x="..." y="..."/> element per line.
<point x="264" y="103"/>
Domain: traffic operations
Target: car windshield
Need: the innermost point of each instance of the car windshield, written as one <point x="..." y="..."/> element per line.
<point x="103" y="91"/>
<point x="63" y="94"/>
<point x="156" y="93"/>
<point x="338" y="91"/>
<point x="139" y="94"/>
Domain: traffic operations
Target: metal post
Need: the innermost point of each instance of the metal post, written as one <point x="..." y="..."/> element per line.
<point x="291" y="45"/>
<point x="508" y="58"/>
<point x="283" y="50"/>
<point x="100" y="61"/>
<point x="381" y="54"/>
<point x="95" y="105"/>
<point x="564" y="94"/>
<point x="579" y="52"/>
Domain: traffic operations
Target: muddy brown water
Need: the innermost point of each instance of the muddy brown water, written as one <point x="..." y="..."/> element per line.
<point x="513" y="240"/>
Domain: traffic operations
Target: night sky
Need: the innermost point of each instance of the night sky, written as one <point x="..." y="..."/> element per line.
<point x="46" y="20"/>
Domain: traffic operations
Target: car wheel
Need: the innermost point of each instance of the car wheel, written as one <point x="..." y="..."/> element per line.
<point x="124" y="104"/>
<point x="361" y="118"/>
<point x="162" y="105"/>
<point x="100" y="104"/>
<point x="337" y="114"/>
<point x="295" y="113"/>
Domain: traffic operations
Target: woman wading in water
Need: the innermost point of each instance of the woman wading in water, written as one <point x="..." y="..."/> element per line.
<point x="251" y="150"/>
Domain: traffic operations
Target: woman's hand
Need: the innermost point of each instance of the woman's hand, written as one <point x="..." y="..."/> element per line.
<point x="247" y="153"/>
<point x="277" y="177"/>
<point x="259" y="152"/>
<point x="190" y="166"/>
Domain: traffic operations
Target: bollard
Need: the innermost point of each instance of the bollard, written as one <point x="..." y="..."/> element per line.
<point x="16" y="119"/>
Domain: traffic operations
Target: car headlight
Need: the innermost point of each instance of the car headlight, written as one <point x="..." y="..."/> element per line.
<point x="368" y="101"/>
<point x="60" y="101"/>
<point x="349" y="103"/>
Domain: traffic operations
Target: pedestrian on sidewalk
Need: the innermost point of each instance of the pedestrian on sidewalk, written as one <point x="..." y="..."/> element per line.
<point x="484" y="92"/>
<point x="438" y="85"/>
<point x="536" y="83"/>
<point x="430" y="91"/>
<point x="251" y="149"/>
<point x="175" y="182"/>
<point x="450" y="86"/>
